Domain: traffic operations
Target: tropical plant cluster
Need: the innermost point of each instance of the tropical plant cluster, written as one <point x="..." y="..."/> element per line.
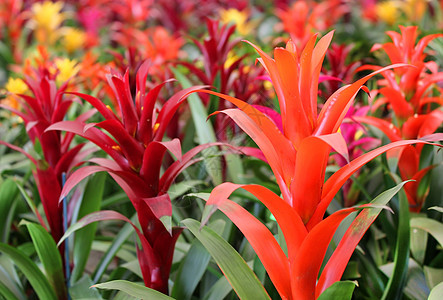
<point x="167" y="149"/>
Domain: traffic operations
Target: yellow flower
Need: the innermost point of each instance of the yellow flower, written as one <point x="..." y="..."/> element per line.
<point x="358" y="134"/>
<point x="16" y="86"/>
<point x="47" y="18"/>
<point x="230" y="59"/>
<point x="387" y="11"/>
<point x="268" y="85"/>
<point x="73" y="39"/>
<point x="67" y="69"/>
<point x="414" y="9"/>
<point x="239" y="18"/>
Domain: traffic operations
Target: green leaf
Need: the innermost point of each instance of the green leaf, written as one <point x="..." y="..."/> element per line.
<point x="133" y="289"/>
<point x="10" y="277"/>
<point x="82" y="290"/>
<point x="437" y="208"/>
<point x="219" y="290"/>
<point x="8" y="193"/>
<point x="416" y="287"/>
<point x="436" y="292"/>
<point x="191" y="269"/>
<point x="431" y="226"/>
<point x="419" y="240"/>
<point x="5" y="292"/>
<point x="238" y="273"/>
<point x="36" y="278"/>
<point x="91" y="202"/>
<point x="49" y="256"/>
<point x="433" y="276"/>
<point x="30" y="203"/>
<point x="397" y="281"/>
<point x="117" y="243"/>
<point x="340" y="290"/>
<point x="205" y="132"/>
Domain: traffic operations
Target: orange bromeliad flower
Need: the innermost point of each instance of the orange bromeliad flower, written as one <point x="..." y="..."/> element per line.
<point x="304" y="18"/>
<point x="414" y="100"/>
<point x="155" y="44"/>
<point x="298" y="154"/>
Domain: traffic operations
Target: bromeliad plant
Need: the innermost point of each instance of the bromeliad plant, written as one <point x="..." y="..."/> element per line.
<point x="414" y="101"/>
<point x="136" y="152"/>
<point x="298" y="156"/>
<point x="225" y="71"/>
<point x="45" y="105"/>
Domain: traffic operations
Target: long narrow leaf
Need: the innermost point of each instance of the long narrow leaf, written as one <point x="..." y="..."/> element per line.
<point x="195" y="263"/>
<point x="133" y="289"/>
<point x="341" y="290"/>
<point x="337" y="263"/>
<point x="8" y="194"/>
<point x="238" y="273"/>
<point x="91" y="202"/>
<point x="336" y="181"/>
<point x="397" y="280"/>
<point x="50" y="257"/>
<point x="431" y="226"/>
<point x="204" y="129"/>
<point x="5" y="292"/>
<point x="36" y="278"/>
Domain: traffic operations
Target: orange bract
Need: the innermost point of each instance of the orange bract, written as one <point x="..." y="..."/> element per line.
<point x="298" y="158"/>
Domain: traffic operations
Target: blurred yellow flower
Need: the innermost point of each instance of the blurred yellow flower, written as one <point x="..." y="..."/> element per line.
<point x="67" y="68"/>
<point x="16" y="86"/>
<point x="414" y="9"/>
<point x="239" y="18"/>
<point x="387" y="11"/>
<point x="73" y="39"/>
<point x="358" y="134"/>
<point x="268" y="85"/>
<point x="230" y="59"/>
<point x="47" y="18"/>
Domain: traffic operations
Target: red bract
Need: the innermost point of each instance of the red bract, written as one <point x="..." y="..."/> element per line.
<point x="409" y="95"/>
<point x="47" y="106"/>
<point x="137" y="151"/>
<point x="339" y="69"/>
<point x="298" y="158"/>
<point x="226" y="75"/>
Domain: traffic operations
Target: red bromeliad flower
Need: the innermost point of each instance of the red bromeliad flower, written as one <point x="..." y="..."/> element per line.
<point x="137" y="151"/>
<point x="416" y="111"/>
<point x="298" y="156"/>
<point x="339" y="70"/>
<point x="225" y="71"/>
<point x="46" y="106"/>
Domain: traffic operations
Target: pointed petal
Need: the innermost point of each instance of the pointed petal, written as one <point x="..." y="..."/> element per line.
<point x="336" y="265"/>
<point x="98" y="104"/>
<point x="392" y="132"/>
<point x="335" y="182"/>
<point x="170" y="107"/>
<point x="263" y="242"/>
<point x="335" y="108"/>
<point x="308" y="262"/>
